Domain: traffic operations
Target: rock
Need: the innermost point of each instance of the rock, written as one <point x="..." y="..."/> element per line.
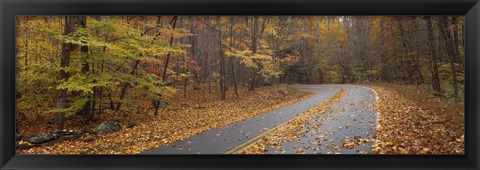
<point x="90" y="139"/>
<point x="39" y="139"/>
<point x="18" y="137"/>
<point x="55" y="136"/>
<point x="67" y="134"/>
<point x="184" y="105"/>
<point x="163" y="104"/>
<point x="131" y="124"/>
<point x="22" y="117"/>
<point x="61" y="132"/>
<point x="24" y="146"/>
<point x="107" y="127"/>
<point x="71" y="137"/>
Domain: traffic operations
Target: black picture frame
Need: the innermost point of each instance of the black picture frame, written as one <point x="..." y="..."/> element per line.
<point x="11" y="8"/>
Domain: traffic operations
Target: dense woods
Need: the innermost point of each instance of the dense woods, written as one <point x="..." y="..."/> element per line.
<point x="79" y="67"/>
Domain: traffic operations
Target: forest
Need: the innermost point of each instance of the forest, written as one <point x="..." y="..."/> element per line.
<point x="75" y="72"/>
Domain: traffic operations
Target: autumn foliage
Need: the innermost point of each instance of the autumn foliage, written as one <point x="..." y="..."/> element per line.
<point x="165" y="78"/>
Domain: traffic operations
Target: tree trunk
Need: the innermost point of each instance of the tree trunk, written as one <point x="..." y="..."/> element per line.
<point x="222" y="60"/>
<point x="206" y="74"/>
<point x="156" y="103"/>
<point x="433" y="59"/>
<point x="125" y="87"/>
<point x="232" y="64"/>
<point x="86" y="111"/>
<point x="383" y="54"/>
<point x="443" y="26"/>
<point x="456" y="40"/>
<point x="174" y="22"/>
<point x="62" y="102"/>
<point x="26" y="44"/>
<point x="412" y="64"/>
<point x="319" y="32"/>
<point x="254" y="51"/>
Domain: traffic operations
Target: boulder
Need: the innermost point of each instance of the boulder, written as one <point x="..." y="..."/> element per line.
<point x="184" y="105"/>
<point x="39" y="139"/>
<point x="163" y="104"/>
<point x="61" y="132"/>
<point x="24" y="146"/>
<point x="67" y="134"/>
<point x="107" y="127"/>
<point x="53" y="137"/>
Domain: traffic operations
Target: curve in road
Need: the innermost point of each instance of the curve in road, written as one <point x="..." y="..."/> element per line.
<point x="347" y="127"/>
<point x="222" y="140"/>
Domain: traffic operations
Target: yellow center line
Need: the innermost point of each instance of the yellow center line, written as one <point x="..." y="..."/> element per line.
<point x="252" y="141"/>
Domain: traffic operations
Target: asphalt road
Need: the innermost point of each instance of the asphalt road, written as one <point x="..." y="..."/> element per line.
<point x="359" y="117"/>
<point x="351" y="120"/>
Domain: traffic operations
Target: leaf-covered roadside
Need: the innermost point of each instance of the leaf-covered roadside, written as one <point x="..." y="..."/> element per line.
<point x="412" y="121"/>
<point x="175" y="123"/>
<point x="291" y="131"/>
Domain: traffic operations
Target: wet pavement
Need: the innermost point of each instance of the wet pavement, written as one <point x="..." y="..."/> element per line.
<point x="352" y="110"/>
<point x="346" y="128"/>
